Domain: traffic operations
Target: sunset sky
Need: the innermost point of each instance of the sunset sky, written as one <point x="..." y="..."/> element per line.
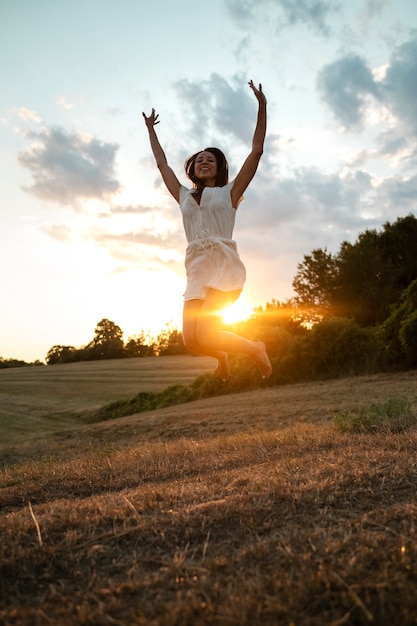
<point x="88" y="231"/>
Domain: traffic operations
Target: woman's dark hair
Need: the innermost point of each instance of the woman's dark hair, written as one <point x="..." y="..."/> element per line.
<point x="222" y="176"/>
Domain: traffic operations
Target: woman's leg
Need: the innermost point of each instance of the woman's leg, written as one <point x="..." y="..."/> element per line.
<point x="191" y="313"/>
<point x="202" y="328"/>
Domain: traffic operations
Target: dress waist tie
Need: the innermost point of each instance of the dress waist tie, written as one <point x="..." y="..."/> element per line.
<point x="207" y="243"/>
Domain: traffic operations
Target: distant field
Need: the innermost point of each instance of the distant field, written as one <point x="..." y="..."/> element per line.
<point x="46" y="398"/>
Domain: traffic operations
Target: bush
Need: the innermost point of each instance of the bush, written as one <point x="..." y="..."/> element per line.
<point x="339" y="347"/>
<point x="399" y="331"/>
<point x="408" y="338"/>
<point x="396" y="415"/>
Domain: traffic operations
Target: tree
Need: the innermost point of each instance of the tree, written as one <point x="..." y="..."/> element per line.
<point x="399" y="331"/>
<point x="360" y="294"/>
<point x="60" y="354"/>
<point x="169" y="342"/>
<point x="365" y="278"/>
<point x="398" y="248"/>
<point x="108" y="341"/>
<point x="315" y="283"/>
<point x="9" y="363"/>
<point x="139" y="346"/>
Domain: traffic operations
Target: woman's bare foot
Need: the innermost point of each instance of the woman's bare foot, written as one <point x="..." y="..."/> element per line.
<point x="223" y="367"/>
<point x="262" y="360"/>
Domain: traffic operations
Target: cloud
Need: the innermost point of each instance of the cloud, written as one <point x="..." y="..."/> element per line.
<point x="373" y="8"/>
<point x="27" y="114"/>
<point x="145" y="249"/>
<point x="348" y="86"/>
<point x="398" y="192"/>
<point x="280" y="222"/>
<point x="391" y="144"/>
<point x="145" y="237"/>
<point x="69" y="167"/>
<point x="114" y="112"/>
<point x="242" y="12"/>
<point x="400" y="84"/>
<point x="313" y="14"/>
<point x="314" y="201"/>
<point x="130" y="209"/>
<point x="334" y="197"/>
<point x="217" y="107"/>
<point x="345" y="85"/>
<point x="63" y="103"/>
<point x="59" y="232"/>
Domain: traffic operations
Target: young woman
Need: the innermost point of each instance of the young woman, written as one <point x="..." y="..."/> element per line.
<point x="215" y="273"/>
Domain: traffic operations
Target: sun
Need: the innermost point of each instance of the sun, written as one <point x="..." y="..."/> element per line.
<point x="237" y="312"/>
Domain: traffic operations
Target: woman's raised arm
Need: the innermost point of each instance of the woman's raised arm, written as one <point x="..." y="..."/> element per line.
<point x="171" y="181"/>
<point x="248" y="169"/>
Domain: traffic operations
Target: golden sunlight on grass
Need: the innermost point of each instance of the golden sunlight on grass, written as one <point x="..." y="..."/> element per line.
<point x="244" y="509"/>
<point x="237" y="312"/>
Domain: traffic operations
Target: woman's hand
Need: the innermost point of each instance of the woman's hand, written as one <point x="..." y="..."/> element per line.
<point x="260" y="96"/>
<point x="152" y="120"/>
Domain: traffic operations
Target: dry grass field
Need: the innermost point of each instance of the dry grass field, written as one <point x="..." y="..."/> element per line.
<point x="242" y="509"/>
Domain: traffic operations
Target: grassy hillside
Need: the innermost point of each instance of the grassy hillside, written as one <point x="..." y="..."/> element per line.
<point x="242" y="509"/>
<point x="44" y="399"/>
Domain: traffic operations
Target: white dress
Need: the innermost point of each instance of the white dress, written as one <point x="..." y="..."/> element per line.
<point x="211" y="259"/>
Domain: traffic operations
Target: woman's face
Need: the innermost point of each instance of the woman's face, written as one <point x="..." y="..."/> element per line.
<point x="205" y="168"/>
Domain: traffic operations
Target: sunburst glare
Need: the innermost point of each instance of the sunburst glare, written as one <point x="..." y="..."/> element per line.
<point x="237" y="312"/>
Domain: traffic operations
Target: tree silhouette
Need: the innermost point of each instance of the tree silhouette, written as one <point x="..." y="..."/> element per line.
<point x="108" y="341"/>
<point x="60" y="354"/>
<point x="364" y="279"/>
<point x="169" y="341"/>
<point x="315" y="283"/>
<point x="139" y="346"/>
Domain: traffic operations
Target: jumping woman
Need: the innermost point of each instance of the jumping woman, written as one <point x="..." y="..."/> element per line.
<point x="215" y="272"/>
